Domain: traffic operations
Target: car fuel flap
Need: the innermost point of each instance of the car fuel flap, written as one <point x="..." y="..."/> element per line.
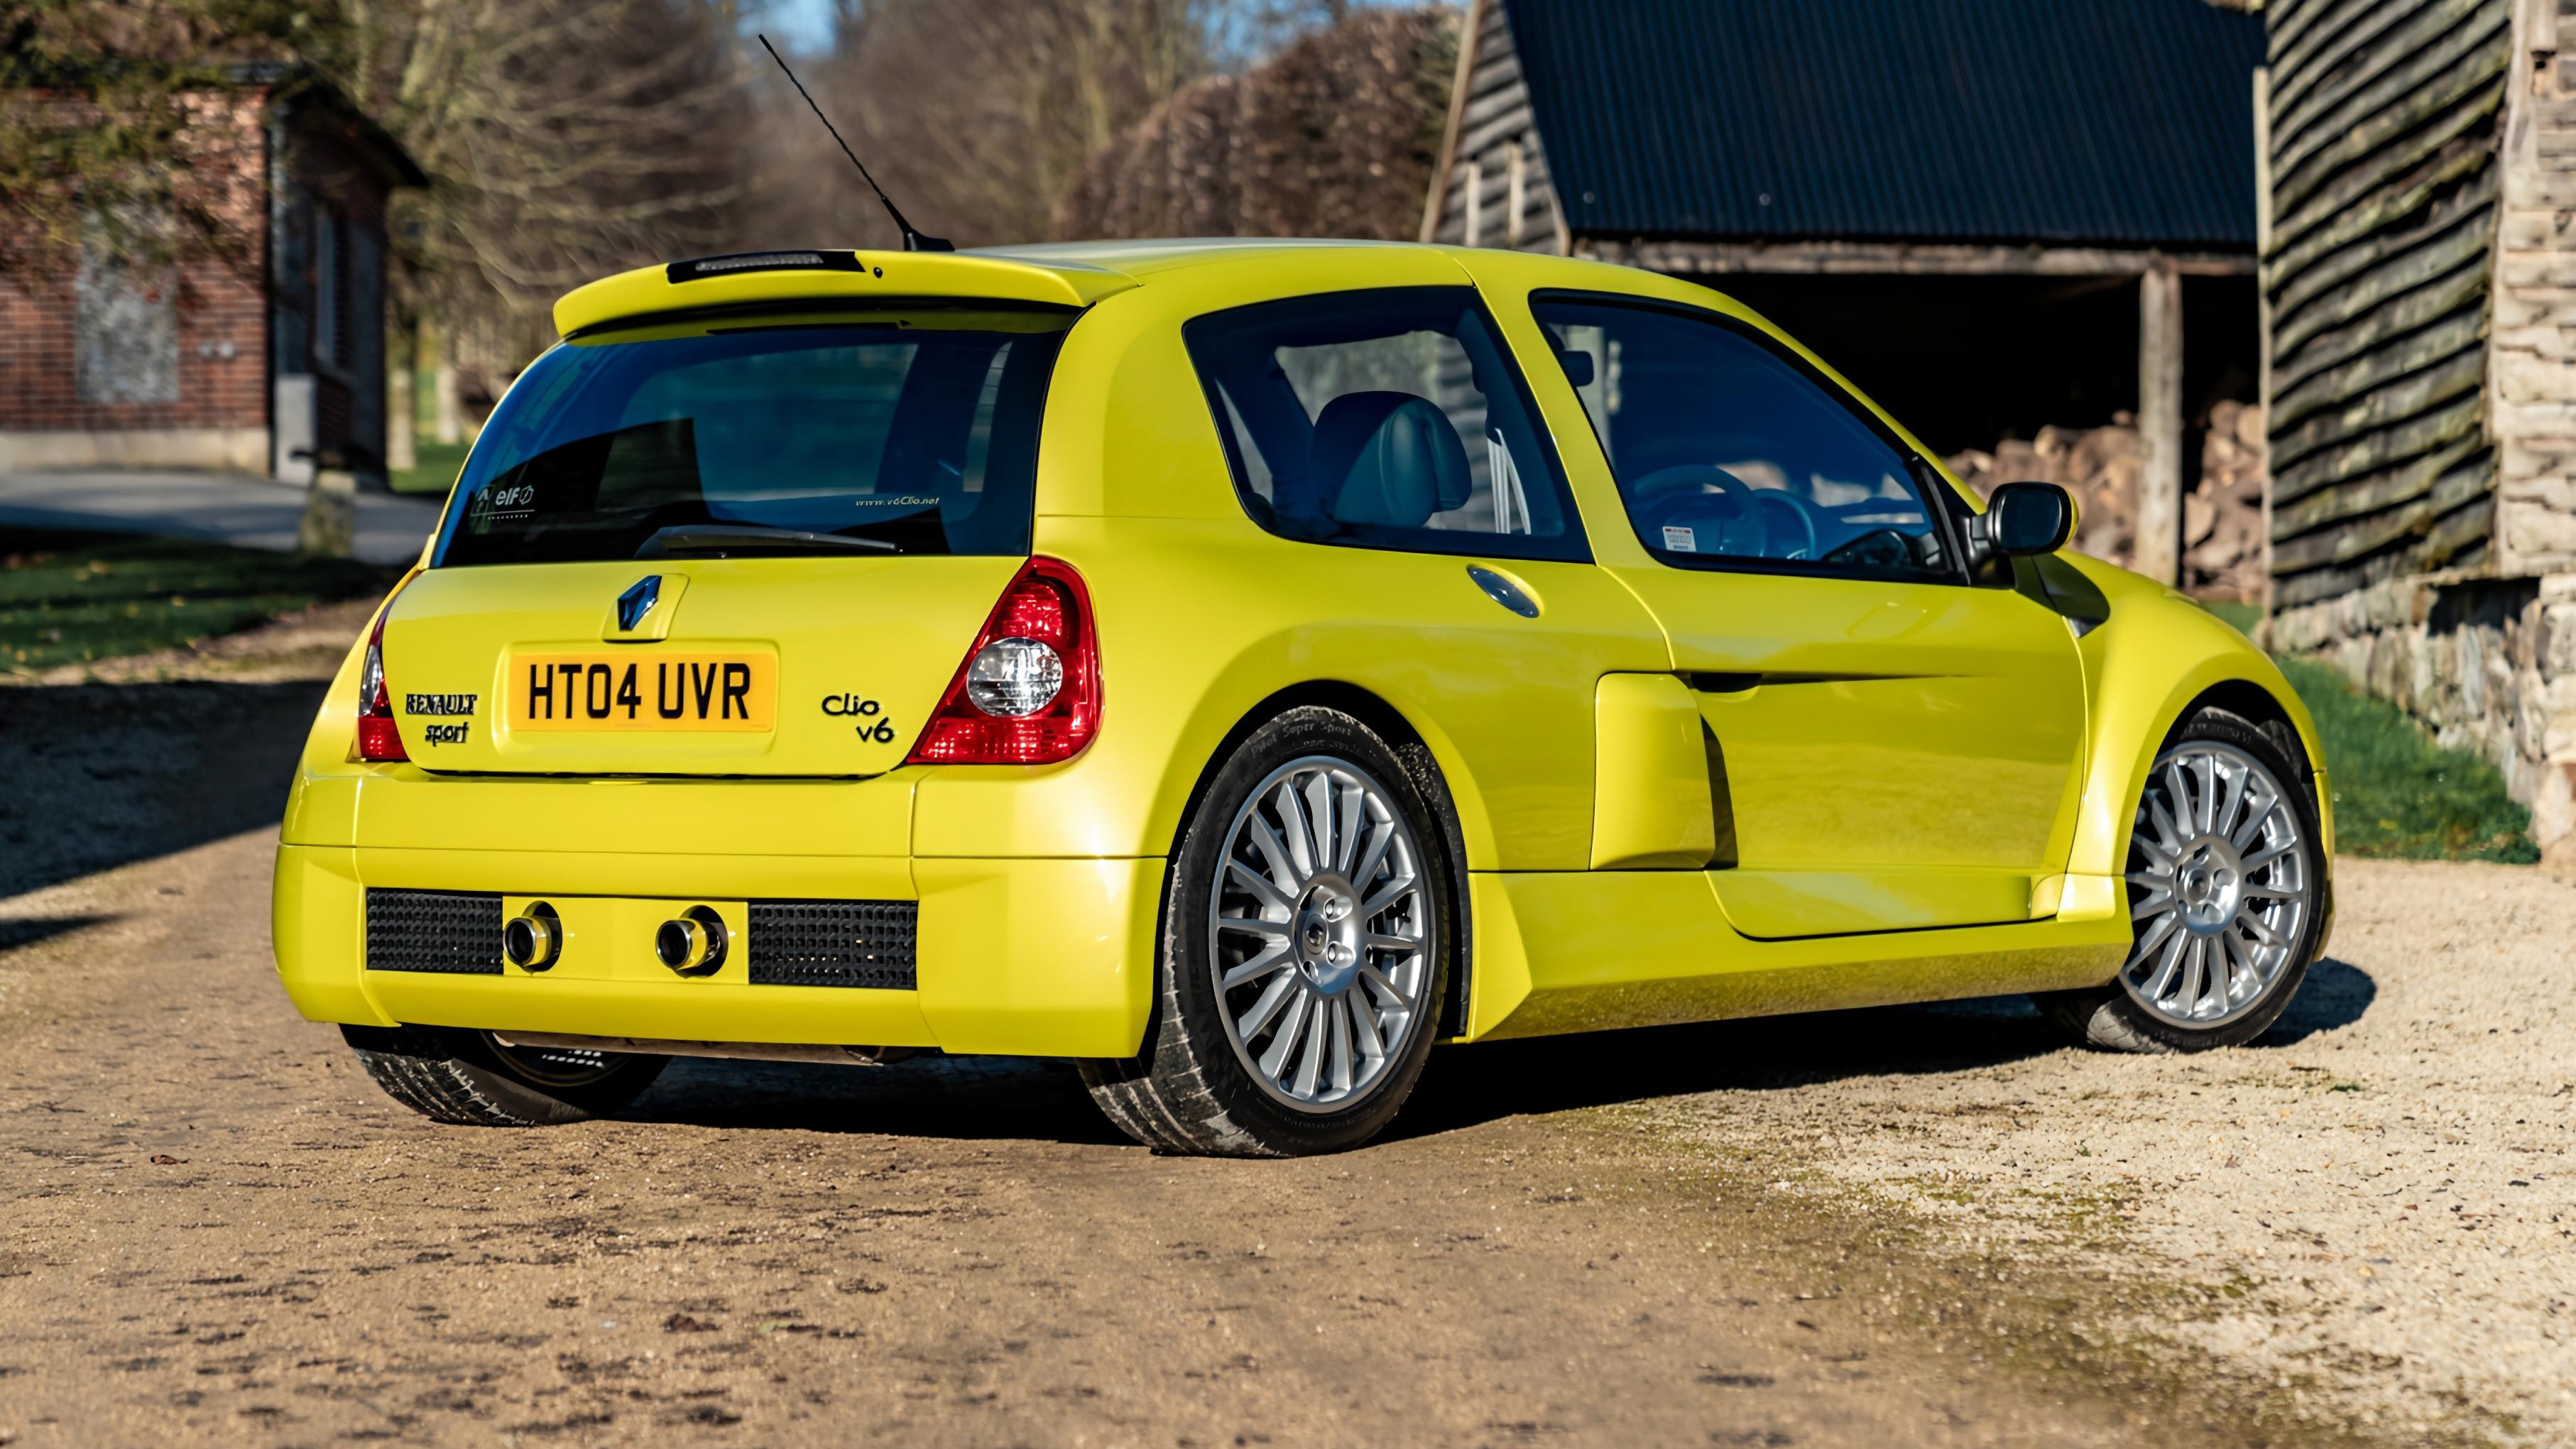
<point x="802" y="666"/>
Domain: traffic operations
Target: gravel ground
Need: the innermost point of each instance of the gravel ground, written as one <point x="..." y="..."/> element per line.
<point x="1932" y="1226"/>
<point x="2371" y="1208"/>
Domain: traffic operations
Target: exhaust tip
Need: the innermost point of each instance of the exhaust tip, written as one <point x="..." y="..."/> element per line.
<point x="533" y="939"/>
<point x="693" y="943"/>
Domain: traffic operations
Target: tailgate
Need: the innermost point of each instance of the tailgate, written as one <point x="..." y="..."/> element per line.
<point x="801" y="666"/>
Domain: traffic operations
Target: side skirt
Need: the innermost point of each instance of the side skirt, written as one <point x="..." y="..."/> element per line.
<point x="1589" y="951"/>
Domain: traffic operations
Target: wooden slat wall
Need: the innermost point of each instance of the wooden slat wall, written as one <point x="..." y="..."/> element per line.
<point x="2384" y="177"/>
<point x="1494" y="117"/>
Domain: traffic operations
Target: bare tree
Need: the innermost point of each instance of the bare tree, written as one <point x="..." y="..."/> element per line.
<point x="1333" y="136"/>
<point x="975" y="114"/>
<point x="564" y="139"/>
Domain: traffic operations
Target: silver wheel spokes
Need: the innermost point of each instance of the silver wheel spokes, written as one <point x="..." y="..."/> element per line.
<point x="2219" y="888"/>
<point x="1320" y="935"/>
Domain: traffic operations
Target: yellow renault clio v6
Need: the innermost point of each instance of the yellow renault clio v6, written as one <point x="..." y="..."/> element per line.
<point x="1238" y="667"/>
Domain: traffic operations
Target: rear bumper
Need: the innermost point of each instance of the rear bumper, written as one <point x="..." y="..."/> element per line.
<point x="1035" y="957"/>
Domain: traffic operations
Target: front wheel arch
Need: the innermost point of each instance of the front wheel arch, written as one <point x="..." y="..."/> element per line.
<point x="2249" y="701"/>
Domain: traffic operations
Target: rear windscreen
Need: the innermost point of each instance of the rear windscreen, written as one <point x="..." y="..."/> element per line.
<point x="914" y="433"/>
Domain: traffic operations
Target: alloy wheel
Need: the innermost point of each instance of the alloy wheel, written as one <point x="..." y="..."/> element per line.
<point x="1321" y="935"/>
<point x="2220" y="889"/>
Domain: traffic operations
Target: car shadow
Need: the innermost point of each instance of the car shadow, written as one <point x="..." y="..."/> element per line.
<point x="103" y="775"/>
<point x="2335" y="995"/>
<point x="16" y="932"/>
<point x="995" y="1098"/>
<point x="963" y="1098"/>
<point x="1751" y="1054"/>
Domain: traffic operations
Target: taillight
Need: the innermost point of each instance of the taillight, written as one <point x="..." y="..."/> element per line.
<point x="1029" y="691"/>
<point x="377" y="737"/>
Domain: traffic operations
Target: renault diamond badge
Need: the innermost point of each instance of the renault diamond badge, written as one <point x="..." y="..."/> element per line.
<point x="638" y="601"/>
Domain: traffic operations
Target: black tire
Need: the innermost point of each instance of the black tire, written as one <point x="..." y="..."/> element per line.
<point x="452" y="1075"/>
<point x="1188" y="1091"/>
<point x="2109" y="1018"/>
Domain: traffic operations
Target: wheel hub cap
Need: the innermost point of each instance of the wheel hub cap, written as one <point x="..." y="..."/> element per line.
<point x="1328" y="935"/>
<point x="2209" y="881"/>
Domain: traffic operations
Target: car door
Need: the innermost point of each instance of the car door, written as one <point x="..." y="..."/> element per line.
<point x="1891" y="746"/>
<point x="1387" y="441"/>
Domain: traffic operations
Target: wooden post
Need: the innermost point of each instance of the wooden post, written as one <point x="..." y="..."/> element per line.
<point x="2159" y="546"/>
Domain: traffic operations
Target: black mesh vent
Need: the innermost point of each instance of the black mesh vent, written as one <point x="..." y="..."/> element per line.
<point x="833" y="943"/>
<point x="451" y="931"/>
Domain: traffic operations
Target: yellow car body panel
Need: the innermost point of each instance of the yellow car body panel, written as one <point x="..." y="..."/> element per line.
<point x="1577" y="748"/>
<point x="1653" y="808"/>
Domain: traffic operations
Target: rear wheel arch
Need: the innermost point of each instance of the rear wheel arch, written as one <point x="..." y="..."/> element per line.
<point x="1421" y="762"/>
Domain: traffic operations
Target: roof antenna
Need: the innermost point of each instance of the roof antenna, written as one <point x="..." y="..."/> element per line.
<point x="913" y="241"/>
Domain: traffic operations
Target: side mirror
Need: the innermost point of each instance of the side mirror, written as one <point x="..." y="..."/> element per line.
<point x="2028" y="518"/>
<point x="1578" y="367"/>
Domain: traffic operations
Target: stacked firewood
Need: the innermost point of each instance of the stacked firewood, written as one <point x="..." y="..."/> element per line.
<point x="2222" y="514"/>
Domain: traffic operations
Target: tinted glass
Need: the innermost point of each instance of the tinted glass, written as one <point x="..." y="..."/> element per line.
<point x="1730" y="453"/>
<point x="911" y="434"/>
<point x="1385" y="419"/>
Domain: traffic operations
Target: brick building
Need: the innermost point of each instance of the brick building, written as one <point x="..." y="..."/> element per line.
<point x="261" y="348"/>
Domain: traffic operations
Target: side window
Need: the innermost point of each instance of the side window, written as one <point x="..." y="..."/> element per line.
<point x="1384" y="419"/>
<point x="1731" y="453"/>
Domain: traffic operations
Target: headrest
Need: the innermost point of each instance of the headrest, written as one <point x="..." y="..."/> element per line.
<point x="1388" y="458"/>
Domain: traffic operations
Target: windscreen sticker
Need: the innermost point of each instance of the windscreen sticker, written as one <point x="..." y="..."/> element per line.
<point x="511" y="501"/>
<point x="1680" y="540"/>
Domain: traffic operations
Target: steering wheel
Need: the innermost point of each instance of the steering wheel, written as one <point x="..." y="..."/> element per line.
<point x="1792" y="520"/>
<point x="1697" y="496"/>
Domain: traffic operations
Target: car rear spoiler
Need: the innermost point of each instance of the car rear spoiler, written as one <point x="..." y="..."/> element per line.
<point x="827" y="275"/>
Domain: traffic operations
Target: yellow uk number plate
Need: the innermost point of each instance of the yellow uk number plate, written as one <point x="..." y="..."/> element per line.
<point x="641" y="692"/>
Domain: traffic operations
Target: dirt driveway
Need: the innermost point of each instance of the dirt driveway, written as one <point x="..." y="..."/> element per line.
<point x="1881" y="1227"/>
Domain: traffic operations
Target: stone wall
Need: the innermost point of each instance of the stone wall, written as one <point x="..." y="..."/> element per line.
<point x="2489" y="665"/>
<point x="2531" y="342"/>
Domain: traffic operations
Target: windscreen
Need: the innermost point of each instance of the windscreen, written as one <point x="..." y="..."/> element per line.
<point x="914" y="433"/>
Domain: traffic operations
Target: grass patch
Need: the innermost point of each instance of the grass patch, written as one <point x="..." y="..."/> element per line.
<point x="434" y="471"/>
<point x="2243" y="616"/>
<point x="2397" y="793"/>
<point x="68" y="598"/>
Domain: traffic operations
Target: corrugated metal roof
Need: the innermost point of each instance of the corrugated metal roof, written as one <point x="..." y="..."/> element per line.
<point x="2121" y="122"/>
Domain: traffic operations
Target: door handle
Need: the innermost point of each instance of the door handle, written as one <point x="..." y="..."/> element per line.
<point x="1503" y="591"/>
